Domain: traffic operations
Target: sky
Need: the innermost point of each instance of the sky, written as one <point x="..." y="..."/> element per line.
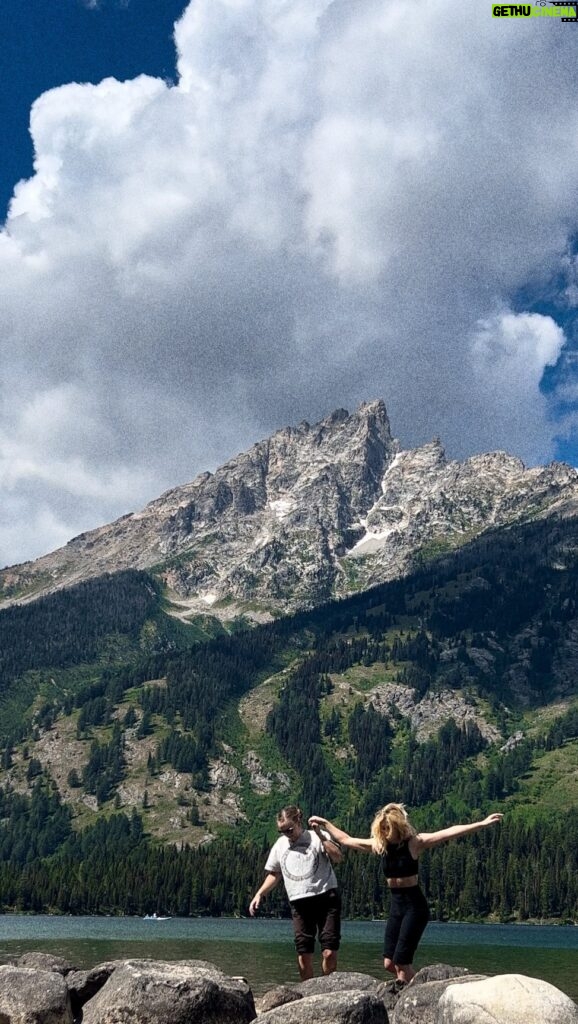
<point x="227" y="216"/>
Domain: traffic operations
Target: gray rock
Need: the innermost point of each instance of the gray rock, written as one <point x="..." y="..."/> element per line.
<point x="44" y="962"/>
<point x="428" y="714"/>
<point x="440" y="972"/>
<point x="506" y="999"/>
<point x="83" y="985"/>
<point x="278" y="996"/>
<point x="157" y="992"/>
<point x="349" y="1007"/>
<point x="418" y="1003"/>
<point x="30" y="996"/>
<point x="512" y="742"/>
<point x="339" y="981"/>
<point x="388" y="995"/>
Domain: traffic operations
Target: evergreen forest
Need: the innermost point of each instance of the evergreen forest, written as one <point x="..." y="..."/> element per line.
<point x="143" y="757"/>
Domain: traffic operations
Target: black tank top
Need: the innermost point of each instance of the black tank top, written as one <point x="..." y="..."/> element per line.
<point x="398" y="861"/>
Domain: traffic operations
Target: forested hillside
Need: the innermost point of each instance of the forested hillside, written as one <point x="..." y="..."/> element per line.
<point x="143" y="759"/>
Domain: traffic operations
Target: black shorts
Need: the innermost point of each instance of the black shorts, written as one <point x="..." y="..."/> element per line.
<point x="408" y="916"/>
<point x="317" y="915"/>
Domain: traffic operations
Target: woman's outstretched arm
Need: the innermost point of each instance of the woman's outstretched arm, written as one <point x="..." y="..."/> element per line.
<point x="343" y="838"/>
<point x="423" y="840"/>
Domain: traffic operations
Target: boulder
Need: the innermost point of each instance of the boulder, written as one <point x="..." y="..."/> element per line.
<point x="278" y="996"/>
<point x="338" y="1007"/>
<point x="506" y="999"/>
<point x="389" y="994"/>
<point x="44" y="962"/>
<point x="342" y="981"/>
<point x="155" y="991"/>
<point x="440" y="972"/>
<point x="418" y="1004"/>
<point x="339" y="981"/>
<point x="28" y="996"/>
<point x="83" y="985"/>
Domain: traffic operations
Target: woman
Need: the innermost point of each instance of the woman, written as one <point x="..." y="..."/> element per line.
<point x="395" y="840"/>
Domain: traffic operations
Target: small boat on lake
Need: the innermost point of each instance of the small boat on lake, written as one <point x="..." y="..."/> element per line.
<point x="155" y="917"/>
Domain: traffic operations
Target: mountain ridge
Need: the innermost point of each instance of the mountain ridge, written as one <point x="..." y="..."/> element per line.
<point x="311" y="513"/>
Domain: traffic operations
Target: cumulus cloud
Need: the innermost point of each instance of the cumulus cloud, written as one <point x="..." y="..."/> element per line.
<point x="335" y="202"/>
<point x="510" y="353"/>
<point x="512" y="350"/>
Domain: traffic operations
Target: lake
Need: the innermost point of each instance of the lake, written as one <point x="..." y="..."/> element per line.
<point x="261" y="950"/>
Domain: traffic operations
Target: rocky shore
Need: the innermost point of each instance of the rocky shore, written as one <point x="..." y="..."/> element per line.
<point x="38" y="988"/>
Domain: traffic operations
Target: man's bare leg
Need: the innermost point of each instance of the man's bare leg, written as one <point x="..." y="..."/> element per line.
<point x="329" y="961"/>
<point x="305" y="962"/>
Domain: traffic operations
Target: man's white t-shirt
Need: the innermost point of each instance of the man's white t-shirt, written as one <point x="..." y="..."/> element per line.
<point x="304" y="864"/>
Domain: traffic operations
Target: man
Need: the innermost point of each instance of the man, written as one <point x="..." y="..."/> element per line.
<point x="304" y="858"/>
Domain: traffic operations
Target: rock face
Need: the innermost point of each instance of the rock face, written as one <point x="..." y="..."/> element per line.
<point x="44" y="962"/>
<point x="339" y="981"/>
<point x="506" y="999"/>
<point x="278" y="996"/>
<point x="154" y="991"/>
<point x="441" y="972"/>
<point x="31" y="996"/>
<point x="310" y="513"/>
<point x="348" y="1007"/>
<point x="428" y="714"/>
<point x="419" y="1003"/>
<point x="83" y="985"/>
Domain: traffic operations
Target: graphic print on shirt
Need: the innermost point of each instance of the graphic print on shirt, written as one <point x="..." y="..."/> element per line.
<point x="300" y="862"/>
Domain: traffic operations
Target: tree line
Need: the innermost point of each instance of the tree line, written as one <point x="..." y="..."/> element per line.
<point x="506" y="602"/>
<point x="526" y="868"/>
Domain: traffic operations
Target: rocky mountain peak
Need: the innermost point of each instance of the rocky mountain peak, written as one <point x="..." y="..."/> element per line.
<point x="311" y="512"/>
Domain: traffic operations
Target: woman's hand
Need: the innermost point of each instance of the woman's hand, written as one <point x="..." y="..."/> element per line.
<point x="316" y="822"/>
<point x="425" y="840"/>
<point x="337" y="834"/>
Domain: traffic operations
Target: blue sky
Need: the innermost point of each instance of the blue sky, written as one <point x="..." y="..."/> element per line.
<point x="246" y="213"/>
<point x="45" y="44"/>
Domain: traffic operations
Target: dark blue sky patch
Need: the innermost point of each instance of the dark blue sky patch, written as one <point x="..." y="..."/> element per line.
<point x="46" y="44"/>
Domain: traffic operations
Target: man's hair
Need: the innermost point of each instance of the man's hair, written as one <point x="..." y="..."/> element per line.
<point x="291" y="813"/>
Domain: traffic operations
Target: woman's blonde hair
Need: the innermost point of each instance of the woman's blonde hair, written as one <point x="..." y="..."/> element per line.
<point x="390" y="825"/>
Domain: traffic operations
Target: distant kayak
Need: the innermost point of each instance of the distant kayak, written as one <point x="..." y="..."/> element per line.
<point x="155" y="917"/>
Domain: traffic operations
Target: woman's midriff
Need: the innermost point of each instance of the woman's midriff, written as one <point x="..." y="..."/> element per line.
<point x="402" y="883"/>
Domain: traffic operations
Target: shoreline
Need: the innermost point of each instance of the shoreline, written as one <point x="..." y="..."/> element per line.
<point x="549" y="922"/>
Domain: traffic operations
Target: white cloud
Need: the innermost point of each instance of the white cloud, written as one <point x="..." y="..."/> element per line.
<point x="56" y="475"/>
<point x="513" y="349"/>
<point x="331" y="205"/>
<point x="510" y="353"/>
<point x="28" y="526"/>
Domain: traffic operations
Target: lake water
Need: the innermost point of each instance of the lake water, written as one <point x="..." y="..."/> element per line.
<point x="262" y="951"/>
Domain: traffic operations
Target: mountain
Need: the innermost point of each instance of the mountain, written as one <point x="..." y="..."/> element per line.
<point x="419" y="641"/>
<point x="311" y="513"/>
<point x="140" y="748"/>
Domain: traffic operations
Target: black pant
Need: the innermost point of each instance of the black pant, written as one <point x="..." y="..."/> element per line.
<point x="408" y="916"/>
